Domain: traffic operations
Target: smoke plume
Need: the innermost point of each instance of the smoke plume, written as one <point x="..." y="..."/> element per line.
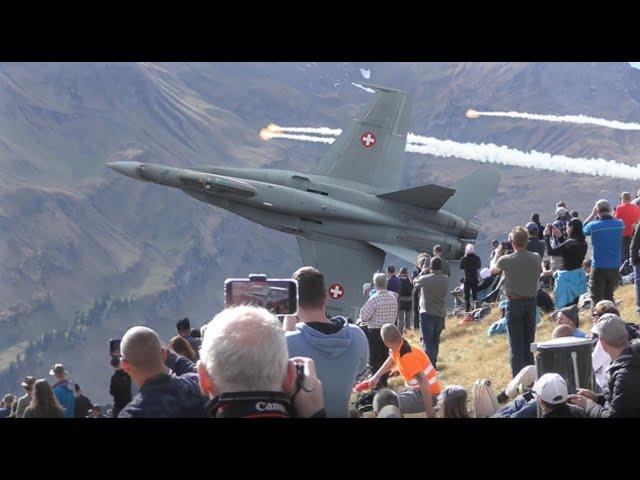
<point x="575" y="119"/>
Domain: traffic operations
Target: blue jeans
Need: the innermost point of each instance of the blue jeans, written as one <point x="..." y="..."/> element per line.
<point x="521" y="327"/>
<point x="636" y="281"/>
<point x="431" y="327"/>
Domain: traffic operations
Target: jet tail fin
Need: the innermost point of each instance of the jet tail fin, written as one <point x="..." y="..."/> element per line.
<point x="427" y="196"/>
<point x="472" y="192"/>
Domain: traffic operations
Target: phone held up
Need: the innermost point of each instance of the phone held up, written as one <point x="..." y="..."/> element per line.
<point x="279" y="296"/>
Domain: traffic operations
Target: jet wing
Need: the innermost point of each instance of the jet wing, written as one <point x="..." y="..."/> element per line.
<point x="345" y="270"/>
<point x="371" y="150"/>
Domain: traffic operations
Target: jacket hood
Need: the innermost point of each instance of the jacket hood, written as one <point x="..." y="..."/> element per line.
<point x="630" y="358"/>
<point x="64" y="383"/>
<point x="333" y="344"/>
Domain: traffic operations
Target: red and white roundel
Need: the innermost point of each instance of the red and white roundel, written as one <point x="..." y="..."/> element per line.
<point x="336" y="291"/>
<point x="368" y="139"/>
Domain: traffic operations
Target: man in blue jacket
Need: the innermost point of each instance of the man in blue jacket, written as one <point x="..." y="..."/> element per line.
<point x="161" y="395"/>
<point x="340" y="350"/>
<point x="63" y="390"/>
<point x="606" y="240"/>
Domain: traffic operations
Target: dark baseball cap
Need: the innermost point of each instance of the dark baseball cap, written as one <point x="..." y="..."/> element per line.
<point x="569" y="312"/>
<point x="531" y="227"/>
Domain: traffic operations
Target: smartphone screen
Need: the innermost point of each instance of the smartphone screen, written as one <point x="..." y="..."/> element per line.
<point x="114" y="347"/>
<point x="278" y="296"/>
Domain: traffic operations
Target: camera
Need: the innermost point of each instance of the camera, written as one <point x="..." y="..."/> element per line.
<point x="114" y="347"/>
<point x="279" y="296"/>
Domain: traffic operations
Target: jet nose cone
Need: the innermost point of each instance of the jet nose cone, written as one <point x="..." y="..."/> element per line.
<point x="130" y="169"/>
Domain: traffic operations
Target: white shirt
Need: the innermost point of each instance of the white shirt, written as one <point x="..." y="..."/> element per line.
<point x="600" y="361"/>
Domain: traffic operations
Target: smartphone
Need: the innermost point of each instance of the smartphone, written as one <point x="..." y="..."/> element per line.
<point x="279" y="296"/>
<point x="114" y="347"/>
<point x="506" y="246"/>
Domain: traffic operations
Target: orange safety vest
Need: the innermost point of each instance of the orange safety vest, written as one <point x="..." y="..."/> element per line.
<point x="410" y="361"/>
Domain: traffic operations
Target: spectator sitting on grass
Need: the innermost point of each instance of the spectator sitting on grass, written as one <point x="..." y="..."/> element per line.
<point x="569" y="316"/>
<point x="454" y="402"/>
<point x="622" y="390"/>
<point x="415" y="367"/>
<point x="383" y="398"/>
<point x="551" y="394"/>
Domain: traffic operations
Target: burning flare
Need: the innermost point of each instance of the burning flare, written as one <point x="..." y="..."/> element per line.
<point x="471" y="113"/>
<point x="266" y="134"/>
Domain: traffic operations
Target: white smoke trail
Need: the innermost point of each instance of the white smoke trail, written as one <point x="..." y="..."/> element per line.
<point x="318" y="130"/>
<point x="577" y="119"/>
<point x="490" y="153"/>
<point x="303" y="138"/>
<point x="362" y="87"/>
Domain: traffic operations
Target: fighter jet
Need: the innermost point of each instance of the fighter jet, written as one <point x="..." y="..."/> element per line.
<point x="351" y="209"/>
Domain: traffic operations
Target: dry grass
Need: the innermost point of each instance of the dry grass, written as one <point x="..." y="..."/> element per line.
<point x="467" y="353"/>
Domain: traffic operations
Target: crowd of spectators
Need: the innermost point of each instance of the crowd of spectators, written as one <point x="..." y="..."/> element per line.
<point x="248" y="363"/>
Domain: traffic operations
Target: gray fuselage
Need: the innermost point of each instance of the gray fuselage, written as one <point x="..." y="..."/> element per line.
<point x="314" y="207"/>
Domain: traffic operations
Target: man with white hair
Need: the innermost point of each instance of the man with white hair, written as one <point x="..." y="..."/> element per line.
<point x="160" y="394"/>
<point x="380" y="309"/>
<point x="246" y="372"/>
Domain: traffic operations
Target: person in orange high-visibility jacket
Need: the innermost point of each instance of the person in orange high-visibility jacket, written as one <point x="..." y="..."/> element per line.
<point x="421" y="379"/>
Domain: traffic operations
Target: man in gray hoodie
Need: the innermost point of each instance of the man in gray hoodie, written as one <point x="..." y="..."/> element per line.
<point x="340" y="350"/>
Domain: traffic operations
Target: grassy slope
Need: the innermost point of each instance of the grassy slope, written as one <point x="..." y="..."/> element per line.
<point x="466" y="353"/>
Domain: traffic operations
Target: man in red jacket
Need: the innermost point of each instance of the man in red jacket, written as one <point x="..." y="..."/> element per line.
<point x="629" y="213"/>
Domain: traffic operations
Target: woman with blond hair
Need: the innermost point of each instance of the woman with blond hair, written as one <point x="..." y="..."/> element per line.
<point x="43" y="402"/>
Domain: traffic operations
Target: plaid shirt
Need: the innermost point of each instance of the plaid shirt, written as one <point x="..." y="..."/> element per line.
<point x="561" y="223"/>
<point x="380" y="309"/>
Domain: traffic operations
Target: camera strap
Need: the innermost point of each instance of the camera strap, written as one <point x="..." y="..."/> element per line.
<point x="250" y="405"/>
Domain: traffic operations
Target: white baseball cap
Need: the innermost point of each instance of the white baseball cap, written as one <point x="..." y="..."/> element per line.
<point x="551" y="388"/>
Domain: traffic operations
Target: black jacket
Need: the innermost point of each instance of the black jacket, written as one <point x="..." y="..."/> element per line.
<point x="470" y="264"/>
<point x="572" y="252"/>
<point x="566" y="410"/>
<point x="621" y="394"/>
<point x="406" y="287"/>
<point x="81" y="407"/>
<point x="169" y="396"/>
<point x="120" y="389"/>
<point x="634" y="250"/>
<point x="536" y="245"/>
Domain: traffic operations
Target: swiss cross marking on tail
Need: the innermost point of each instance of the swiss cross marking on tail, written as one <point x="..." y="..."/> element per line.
<point x="336" y="291"/>
<point x="368" y="139"/>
